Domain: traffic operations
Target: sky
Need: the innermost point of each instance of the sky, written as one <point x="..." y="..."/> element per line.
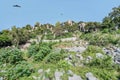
<point x="52" y="11"/>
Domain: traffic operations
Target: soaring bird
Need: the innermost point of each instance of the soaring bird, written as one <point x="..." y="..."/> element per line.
<point x="16" y="6"/>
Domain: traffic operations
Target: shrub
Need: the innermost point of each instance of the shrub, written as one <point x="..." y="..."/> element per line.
<point x="49" y="36"/>
<point x="92" y="50"/>
<point x="64" y="35"/>
<point x="44" y="50"/>
<point x="54" y="57"/>
<point x="32" y="50"/>
<point x="5" y="41"/>
<point x="39" y="51"/>
<point x="9" y="55"/>
<point x="64" y="65"/>
<point x="106" y="62"/>
<point x="100" y="39"/>
<point x="20" y="70"/>
<point x="103" y="74"/>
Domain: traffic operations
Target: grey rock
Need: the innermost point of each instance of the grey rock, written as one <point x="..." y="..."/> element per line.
<point x="88" y="59"/>
<point x="70" y="57"/>
<point x="74" y="77"/>
<point x="1" y="78"/>
<point x="70" y="72"/>
<point x="117" y="59"/>
<point x="90" y="76"/>
<point x="76" y="49"/>
<point x="99" y="55"/>
<point x="40" y="71"/>
<point x="79" y="56"/>
<point x="58" y="75"/>
<point x="118" y="50"/>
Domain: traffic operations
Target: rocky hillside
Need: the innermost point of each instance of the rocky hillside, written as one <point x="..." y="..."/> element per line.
<point x="64" y="51"/>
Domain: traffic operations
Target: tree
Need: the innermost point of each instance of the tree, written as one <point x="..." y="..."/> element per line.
<point x="28" y="27"/>
<point x="15" y="37"/>
<point x="112" y="21"/>
<point x="5" y="38"/>
<point x="19" y="36"/>
<point x="37" y="24"/>
<point x="115" y="14"/>
<point x="90" y="26"/>
<point x="58" y="30"/>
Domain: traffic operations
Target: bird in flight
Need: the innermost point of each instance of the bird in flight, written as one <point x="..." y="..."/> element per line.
<point x="17" y="6"/>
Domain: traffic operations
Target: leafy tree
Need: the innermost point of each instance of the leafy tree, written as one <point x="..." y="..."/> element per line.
<point x="28" y="27"/>
<point x="112" y="21"/>
<point x="15" y="37"/>
<point x="115" y="15"/>
<point x="92" y="26"/>
<point x="5" y="40"/>
<point x="107" y="23"/>
<point x="58" y="30"/>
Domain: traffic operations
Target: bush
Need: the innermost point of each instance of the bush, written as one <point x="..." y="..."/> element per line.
<point x="39" y="51"/>
<point x="33" y="50"/>
<point x="64" y="65"/>
<point x="54" y="57"/>
<point x="5" y="41"/>
<point x="100" y="39"/>
<point x="44" y="50"/>
<point x="9" y="55"/>
<point x="20" y="70"/>
<point x="104" y="74"/>
<point x="92" y="50"/>
<point x="64" y="35"/>
<point x="49" y="36"/>
<point x="106" y="63"/>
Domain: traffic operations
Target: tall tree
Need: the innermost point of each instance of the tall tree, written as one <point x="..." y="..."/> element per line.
<point x="115" y="14"/>
<point x="113" y="19"/>
<point x="15" y="37"/>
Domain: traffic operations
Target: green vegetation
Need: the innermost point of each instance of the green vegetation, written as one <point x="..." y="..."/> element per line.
<point x="23" y="63"/>
<point x="9" y="55"/>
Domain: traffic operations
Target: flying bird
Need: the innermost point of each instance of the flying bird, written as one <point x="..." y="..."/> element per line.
<point x="16" y="6"/>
